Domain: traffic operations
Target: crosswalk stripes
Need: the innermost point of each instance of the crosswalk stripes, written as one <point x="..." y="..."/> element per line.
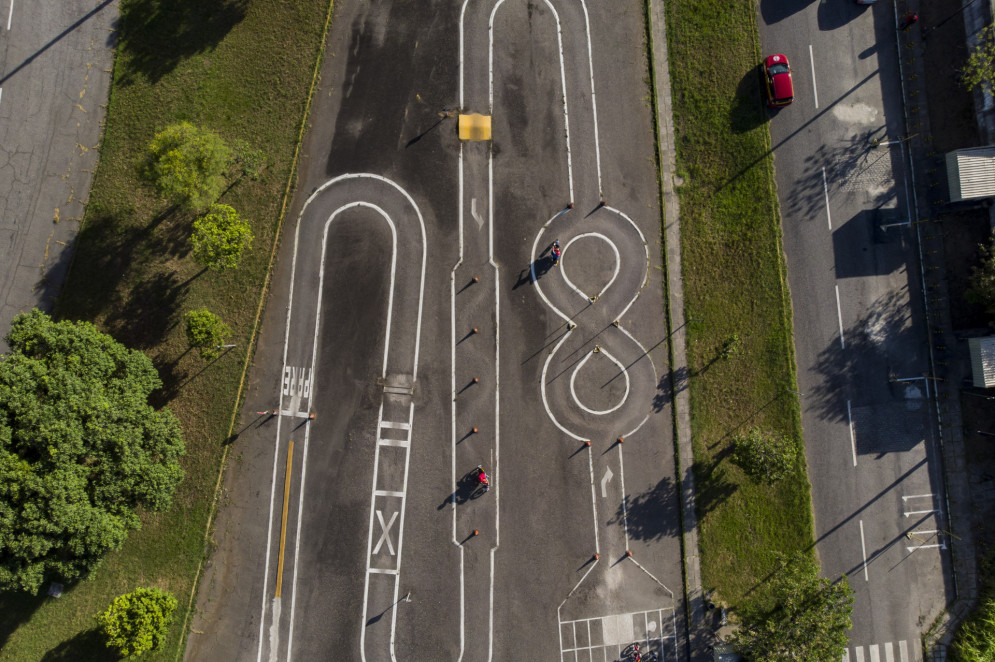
<point x="892" y="651"/>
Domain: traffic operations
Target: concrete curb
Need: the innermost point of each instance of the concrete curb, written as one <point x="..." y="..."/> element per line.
<point x="666" y="155"/>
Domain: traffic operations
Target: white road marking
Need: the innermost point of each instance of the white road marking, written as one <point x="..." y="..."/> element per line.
<point x="825" y="192"/>
<point x="889" y="655"/>
<point x="10" y="14"/>
<point x="846" y="656"/>
<point x="920" y="512"/>
<point x="903" y="651"/>
<point x="859" y="650"/>
<point x="577" y="370"/>
<point x="476" y="215"/>
<point x="389" y="493"/>
<point x="399" y="443"/>
<point x="839" y="316"/>
<point x="917" y="496"/>
<point x="395" y="425"/>
<point x="1" y="93"/>
<point x="875" y="654"/>
<point x="604" y="482"/>
<point x="618" y="264"/>
<point x="385" y="536"/>
<point x="863" y="549"/>
<point x="853" y="440"/>
<point x="811" y="59"/>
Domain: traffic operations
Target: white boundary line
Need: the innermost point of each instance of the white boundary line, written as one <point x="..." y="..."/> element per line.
<point x="863" y="549"/>
<point x="618" y="263"/>
<point x="853" y="439"/>
<point x="10" y="14"/>
<point x="576" y="371"/>
<point x="825" y="192"/>
<point x="839" y="316"/>
<point x="811" y="59"/>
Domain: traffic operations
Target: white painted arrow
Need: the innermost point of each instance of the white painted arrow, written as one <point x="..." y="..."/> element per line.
<point x="604" y="481"/>
<point x="476" y="215"/>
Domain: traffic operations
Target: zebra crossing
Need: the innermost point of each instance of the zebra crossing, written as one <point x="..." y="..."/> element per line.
<point x="892" y="651"/>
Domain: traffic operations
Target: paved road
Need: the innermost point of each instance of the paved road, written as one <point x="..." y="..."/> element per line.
<point x="55" y="60"/>
<point x="417" y="314"/>
<point x="870" y="428"/>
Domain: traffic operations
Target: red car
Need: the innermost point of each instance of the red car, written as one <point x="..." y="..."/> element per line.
<point x="777" y="75"/>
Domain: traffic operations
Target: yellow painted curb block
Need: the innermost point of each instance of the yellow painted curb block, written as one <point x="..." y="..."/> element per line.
<point x="474" y="127"/>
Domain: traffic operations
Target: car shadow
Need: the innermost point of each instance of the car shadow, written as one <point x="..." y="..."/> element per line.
<point x="746" y="112"/>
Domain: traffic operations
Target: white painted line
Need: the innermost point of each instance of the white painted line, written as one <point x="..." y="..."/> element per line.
<point x="382" y="571"/>
<point x="388" y="493"/>
<point x="846" y="656"/>
<point x="853" y="439"/>
<point x="917" y="496"/>
<point x="863" y="549"/>
<point x="385" y="532"/>
<point x="577" y="370"/>
<point x="939" y="545"/>
<point x="811" y="59"/>
<point x="875" y="654"/>
<point x="395" y="425"/>
<point x="400" y="443"/>
<point x="1" y="93"/>
<point x="594" y="507"/>
<point x="921" y="512"/>
<point x="825" y="192"/>
<point x="10" y="14"/>
<point x="859" y="651"/>
<point x="839" y="316"/>
<point x="618" y="263"/>
<point x="604" y="482"/>
<point x="903" y="651"/>
<point x="889" y="655"/>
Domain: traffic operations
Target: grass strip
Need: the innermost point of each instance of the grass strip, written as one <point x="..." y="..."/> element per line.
<point x="245" y="69"/>
<point x="735" y="295"/>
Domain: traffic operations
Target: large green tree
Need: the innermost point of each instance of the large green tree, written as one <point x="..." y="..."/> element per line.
<point x="220" y="237"/>
<point x="189" y="165"/>
<point x="799" y="616"/>
<point x="80" y="449"/>
<point x="137" y="622"/>
<point x="979" y="72"/>
<point x="206" y="332"/>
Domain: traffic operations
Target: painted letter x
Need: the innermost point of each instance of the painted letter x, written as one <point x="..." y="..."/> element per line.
<point x="385" y="536"/>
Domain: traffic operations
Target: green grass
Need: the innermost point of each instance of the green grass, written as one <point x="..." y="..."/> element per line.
<point x="243" y="69"/>
<point x="734" y="284"/>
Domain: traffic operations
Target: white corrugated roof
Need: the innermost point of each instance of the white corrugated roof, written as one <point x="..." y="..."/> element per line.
<point x="971" y="173"/>
<point x="982" y="361"/>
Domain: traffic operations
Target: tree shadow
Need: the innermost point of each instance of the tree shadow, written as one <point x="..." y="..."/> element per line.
<point x="156" y="35"/>
<point x="149" y="312"/>
<point x="652" y="515"/>
<point x="669" y="386"/>
<point x="880" y="342"/>
<point x="845" y="164"/>
<point x="86" y="645"/>
<point x="16" y="609"/>
<point x="712" y="486"/>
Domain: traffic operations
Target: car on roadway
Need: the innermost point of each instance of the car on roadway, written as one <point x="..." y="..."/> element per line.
<point x="777" y="76"/>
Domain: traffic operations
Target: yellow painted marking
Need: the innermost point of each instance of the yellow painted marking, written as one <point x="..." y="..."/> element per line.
<point x="474" y="127"/>
<point x="283" y="522"/>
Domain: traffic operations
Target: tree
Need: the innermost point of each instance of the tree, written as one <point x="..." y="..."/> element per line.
<point x="189" y="165"/>
<point x="979" y="72"/>
<point x="220" y="237"/>
<point x="80" y="449"/>
<point x="982" y="289"/>
<point x="137" y="622"/>
<point x="803" y="616"/>
<point x="765" y="456"/>
<point x="206" y="331"/>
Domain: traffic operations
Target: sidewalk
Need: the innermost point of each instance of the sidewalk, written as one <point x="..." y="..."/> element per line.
<point x="940" y="117"/>
<point x="699" y="638"/>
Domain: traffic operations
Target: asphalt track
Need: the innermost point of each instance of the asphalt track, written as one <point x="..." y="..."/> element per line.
<point x="418" y="317"/>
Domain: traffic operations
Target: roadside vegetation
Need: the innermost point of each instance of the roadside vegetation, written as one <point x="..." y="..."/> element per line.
<point x="237" y="75"/>
<point x="740" y="348"/>
<point x="975" y="638"/>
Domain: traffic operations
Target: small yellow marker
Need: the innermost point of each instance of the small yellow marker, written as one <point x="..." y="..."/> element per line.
<point x="474" y="127"/>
